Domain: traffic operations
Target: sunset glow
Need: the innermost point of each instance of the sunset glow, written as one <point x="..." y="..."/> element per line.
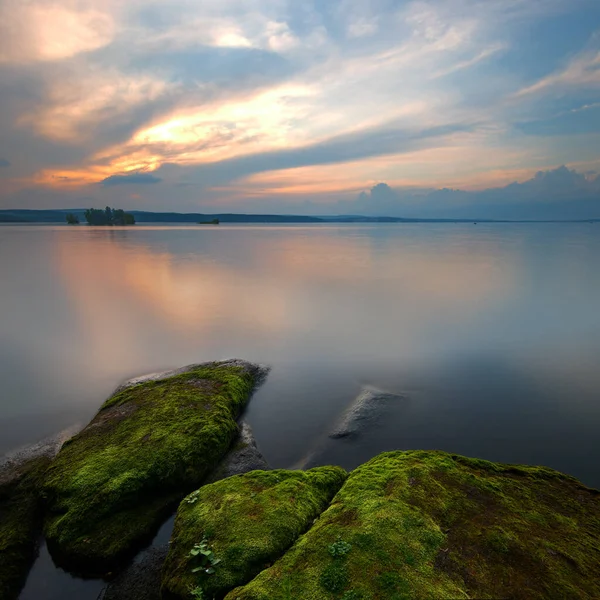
<point x="268" y="102"/>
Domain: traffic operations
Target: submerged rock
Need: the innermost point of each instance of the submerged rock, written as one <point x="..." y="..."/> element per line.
<point x="368" y="406"/>
<point x="434" y="525"/>
<point x="151" y="443"/>
<point x="244" y="523"/>
<point x="141" y="580"/>
<point x="20" y="521"/>
<point x="243" y="457"/>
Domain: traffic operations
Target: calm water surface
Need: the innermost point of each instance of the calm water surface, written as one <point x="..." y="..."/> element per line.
<point x="492" y="332"/>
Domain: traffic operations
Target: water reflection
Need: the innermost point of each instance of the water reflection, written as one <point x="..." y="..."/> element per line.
<point x="471" y="322"/>
<point x="280" y="283"/>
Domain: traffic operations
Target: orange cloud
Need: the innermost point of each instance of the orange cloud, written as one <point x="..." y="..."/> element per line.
<point x="41" y="31"/>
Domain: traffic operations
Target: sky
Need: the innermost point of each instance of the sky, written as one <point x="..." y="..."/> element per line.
<point x="418" y="108"/>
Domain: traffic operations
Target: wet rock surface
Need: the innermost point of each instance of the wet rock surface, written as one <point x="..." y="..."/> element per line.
<point x="20" y="521"/>
<point x="141" y="580"/>
<point x="13" y="464"/>
<point x="368" y="407"/>
<point x="244" y="456"/>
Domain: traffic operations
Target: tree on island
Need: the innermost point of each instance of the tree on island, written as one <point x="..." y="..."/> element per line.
<point x="72" y="219"/>
<point x="108" y="216"/>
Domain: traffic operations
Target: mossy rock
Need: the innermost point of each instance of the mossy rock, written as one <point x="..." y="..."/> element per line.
<point x="20" y="524"/>
<point x="423" y="525"/>
<point x="248" y="522"/>
<point x="149" y="445"/>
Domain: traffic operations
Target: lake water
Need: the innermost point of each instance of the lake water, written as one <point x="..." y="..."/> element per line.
<point x="491" y="332"/>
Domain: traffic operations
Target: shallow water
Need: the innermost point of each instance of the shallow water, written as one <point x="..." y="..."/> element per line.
<point x="492" y="332"/>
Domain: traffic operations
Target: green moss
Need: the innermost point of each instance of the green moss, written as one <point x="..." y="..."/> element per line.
<point x="20" y="525"/>
<point x="149" y="445"/>
<point x="424" y="525"/>
<point x="249" y="521"/>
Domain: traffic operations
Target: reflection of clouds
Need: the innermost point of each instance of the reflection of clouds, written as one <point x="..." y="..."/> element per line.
<point x="443" y="273"/>
<point x="195" y="294"/>
<point x="277" y="284"/>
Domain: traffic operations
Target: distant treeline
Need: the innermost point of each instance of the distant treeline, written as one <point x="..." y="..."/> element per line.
<point x="78" y="214"/>
<point x="108" y="216"/>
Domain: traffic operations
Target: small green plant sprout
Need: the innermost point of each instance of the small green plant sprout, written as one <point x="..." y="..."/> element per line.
<point x="193" y="497"/>
<point x="197" y="593"/>
<point x="205" y="556"/>
<point x="339" y="548"/>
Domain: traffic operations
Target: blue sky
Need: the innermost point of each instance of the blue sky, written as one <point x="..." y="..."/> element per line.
<point x="288" y="106"/>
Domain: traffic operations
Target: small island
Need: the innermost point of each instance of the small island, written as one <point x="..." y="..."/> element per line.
<point x="213" y="222"/>
<point x="98" y="217"/>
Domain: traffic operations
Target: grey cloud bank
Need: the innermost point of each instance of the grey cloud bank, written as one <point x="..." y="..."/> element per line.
<point x="559" y="194"/>
<point x="135" y="178"/>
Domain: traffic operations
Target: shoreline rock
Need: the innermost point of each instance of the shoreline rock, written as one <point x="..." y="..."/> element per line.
<point x="142" y="579"/>
<point x="244" y="523"/>
<point x="243" y="457"/>
<point x="428" y="524"/>
<point x="21" y="475"/>
<point x="11" y="462"/>
<point x="258" y="371"/>
<point x="404" y="524"/>
<point x="20" y="522"/>
<point x="150" y="444"/>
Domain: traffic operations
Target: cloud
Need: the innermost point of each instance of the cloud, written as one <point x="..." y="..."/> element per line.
<point x="4" y="163"/>
<point x="382" y="140"/>
<point x="139" y="178"/>
<point x="560" y="193"/>
<point x="238" y="96"/>
<point x="41" y="31"/>
<point x="582" y="71"/>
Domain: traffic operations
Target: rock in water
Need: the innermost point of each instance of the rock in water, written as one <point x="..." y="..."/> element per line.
<point x="142" y="579"/>
<point x="365" y="410"/>
<point x="20" y="521"/>
<point x="11" y="462"/>
<point x="243" y="457"/>
<point x="245" y="523"/>
<point x="434" y="525"/>
<point x="150" y="444"/>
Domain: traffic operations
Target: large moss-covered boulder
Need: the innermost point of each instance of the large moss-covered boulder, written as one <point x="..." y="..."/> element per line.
<point x="423" y="525"/>
<point x="149" y="445"/>
<point x="20" y="522"/>
<point x="242" y="525"/>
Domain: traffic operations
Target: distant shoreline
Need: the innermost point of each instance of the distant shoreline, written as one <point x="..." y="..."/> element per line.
<point x="57" y="216"/>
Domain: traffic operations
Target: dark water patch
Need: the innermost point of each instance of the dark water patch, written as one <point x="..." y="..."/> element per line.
<point x="48" y="582"/>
